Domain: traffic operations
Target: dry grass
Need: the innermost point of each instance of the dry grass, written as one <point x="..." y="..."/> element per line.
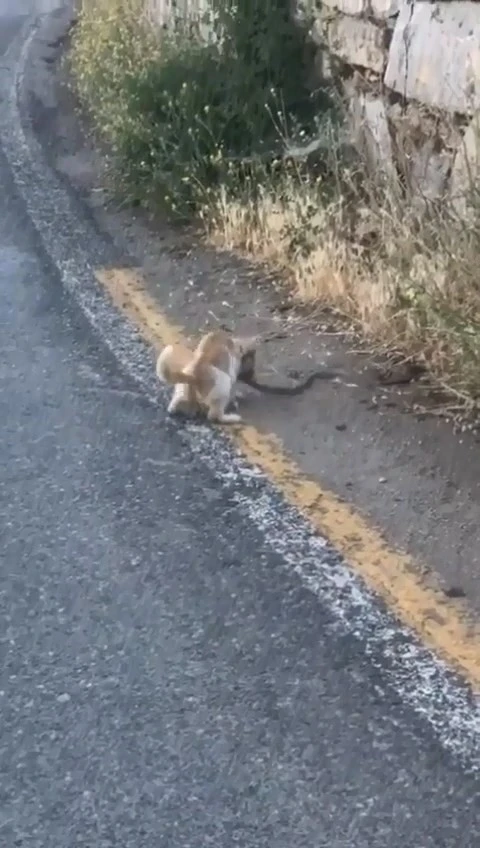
<point x="403" y="275"/>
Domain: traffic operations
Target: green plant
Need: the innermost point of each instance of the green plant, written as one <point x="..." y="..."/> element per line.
<point x="182" y="114"/>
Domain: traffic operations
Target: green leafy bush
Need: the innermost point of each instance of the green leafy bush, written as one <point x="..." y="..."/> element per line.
<point x="182" y="114"/>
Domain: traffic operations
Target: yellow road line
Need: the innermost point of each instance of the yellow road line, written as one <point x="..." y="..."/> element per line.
<point x="443" y="624"/>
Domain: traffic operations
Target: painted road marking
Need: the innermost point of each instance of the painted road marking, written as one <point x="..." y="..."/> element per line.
<point x="442" y="624"/>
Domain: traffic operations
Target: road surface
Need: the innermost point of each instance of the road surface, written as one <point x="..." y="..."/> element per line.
<point x="165" y="680"/>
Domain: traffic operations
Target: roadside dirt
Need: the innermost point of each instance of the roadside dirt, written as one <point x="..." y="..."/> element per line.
<point x="413" y="477"/>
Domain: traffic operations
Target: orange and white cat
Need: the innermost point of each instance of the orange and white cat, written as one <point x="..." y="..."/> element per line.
<point x="207" y="376"/>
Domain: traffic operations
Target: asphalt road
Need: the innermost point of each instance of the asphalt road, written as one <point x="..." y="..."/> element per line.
<point x="164" y="679"/>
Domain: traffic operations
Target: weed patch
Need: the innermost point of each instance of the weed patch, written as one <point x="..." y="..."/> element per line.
<point x="403" y="277"/>
<point x="182" y="113"/>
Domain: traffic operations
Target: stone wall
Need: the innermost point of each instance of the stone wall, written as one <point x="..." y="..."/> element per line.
<point x="411" y="74"/>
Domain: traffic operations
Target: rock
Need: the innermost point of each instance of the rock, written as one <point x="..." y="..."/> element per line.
<point x="379" y="9"/>
<point x="357" y="42"/>
<point x="434" y="56"/>
<point x="466" y="168"/>
<point x="371" y="131"/>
